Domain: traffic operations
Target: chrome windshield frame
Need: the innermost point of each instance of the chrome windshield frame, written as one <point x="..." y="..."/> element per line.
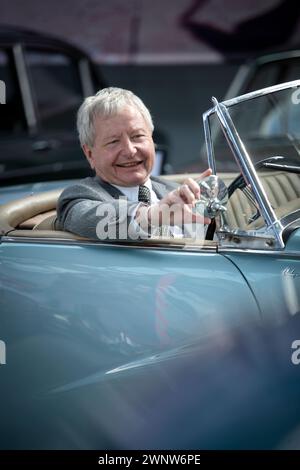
<point x="273" y="225"/>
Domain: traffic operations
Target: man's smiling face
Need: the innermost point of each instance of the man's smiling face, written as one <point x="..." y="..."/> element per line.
<point x="123" y="152"/>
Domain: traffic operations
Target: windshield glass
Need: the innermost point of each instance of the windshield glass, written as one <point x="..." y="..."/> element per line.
<point x="270" y="124"/>
<point x="269" y="127"/>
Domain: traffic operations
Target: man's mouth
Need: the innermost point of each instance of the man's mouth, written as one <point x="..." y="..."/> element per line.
<point x="129" y="164"/>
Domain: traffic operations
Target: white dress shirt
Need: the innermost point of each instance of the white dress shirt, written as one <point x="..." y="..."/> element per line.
<point x="132" y="193"/>
<point x="174" y="231"/>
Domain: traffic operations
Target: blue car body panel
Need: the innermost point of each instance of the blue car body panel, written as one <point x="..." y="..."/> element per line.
<point x="172" y="293"/>
<point x="94" y="314"/>
<point x="274" y="278"/>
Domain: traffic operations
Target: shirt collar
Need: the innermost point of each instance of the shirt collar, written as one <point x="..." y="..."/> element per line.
<point x="132" y="192"/>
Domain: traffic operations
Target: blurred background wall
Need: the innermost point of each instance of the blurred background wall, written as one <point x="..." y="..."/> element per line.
<point x="175" y="54"/>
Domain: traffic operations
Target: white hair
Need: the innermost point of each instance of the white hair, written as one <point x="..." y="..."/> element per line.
<point x="107" y="102"/>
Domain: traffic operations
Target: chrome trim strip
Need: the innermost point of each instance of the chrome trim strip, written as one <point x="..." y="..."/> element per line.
<point x="60" y="241"/>
<point x="85" y="76"/>
<point x="281" y="253"/>
<point x="263" y="91"/>
<point x="245" y="164"/>
<point x="25" y="87"/>
<point x="208" y="142"/>
<point x="254" y="94"/>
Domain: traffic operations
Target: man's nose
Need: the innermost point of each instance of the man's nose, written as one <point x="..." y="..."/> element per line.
<point x="128" y="147"/>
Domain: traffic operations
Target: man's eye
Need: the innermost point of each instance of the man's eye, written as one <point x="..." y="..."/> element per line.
<point x="111" y="142"/>
<point x="138" y="136"/>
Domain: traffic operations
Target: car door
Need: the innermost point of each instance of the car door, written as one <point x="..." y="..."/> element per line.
<point x="75" y="313"/>
<point x="273" y="276"/>
<point x="134" y="297"/>
<point x="124" y="301"/>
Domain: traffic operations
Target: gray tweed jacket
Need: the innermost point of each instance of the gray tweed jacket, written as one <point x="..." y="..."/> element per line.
<point x="82" y="206"/>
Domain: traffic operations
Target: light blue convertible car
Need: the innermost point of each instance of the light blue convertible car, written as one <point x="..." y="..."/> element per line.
<point x="163" y="343"/>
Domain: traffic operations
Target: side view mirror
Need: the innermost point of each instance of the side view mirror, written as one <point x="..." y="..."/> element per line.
<point x="213" y="197"/>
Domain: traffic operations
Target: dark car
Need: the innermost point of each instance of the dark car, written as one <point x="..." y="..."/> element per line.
<point x="273" y="127"/>
<point x="46" y="80"/>
<point x="266" y="70"/>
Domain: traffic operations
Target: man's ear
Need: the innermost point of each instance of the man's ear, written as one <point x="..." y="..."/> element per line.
<point x="89" y="155"/>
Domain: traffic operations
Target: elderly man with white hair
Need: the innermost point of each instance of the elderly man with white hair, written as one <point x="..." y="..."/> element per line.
<point x="122" y="200"/>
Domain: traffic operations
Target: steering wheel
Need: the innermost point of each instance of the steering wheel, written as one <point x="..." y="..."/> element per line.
<point x="277" y="162"/>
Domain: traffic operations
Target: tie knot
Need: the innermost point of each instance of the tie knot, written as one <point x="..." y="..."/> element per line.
<point x="144" y="194"/>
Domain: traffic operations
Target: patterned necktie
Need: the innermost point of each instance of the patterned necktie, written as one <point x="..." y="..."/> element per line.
<point x="144" y="194"/>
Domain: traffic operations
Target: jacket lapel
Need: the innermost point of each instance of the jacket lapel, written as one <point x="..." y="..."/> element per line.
<point x="114" y="192"/>
<point x="159" y="188"/>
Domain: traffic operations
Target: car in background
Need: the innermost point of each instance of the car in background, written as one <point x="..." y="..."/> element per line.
<point x="267" y="70"/>
<point x="163" y="343"/>
<point x="262" y="140"/>
<point x="46" y="81"/>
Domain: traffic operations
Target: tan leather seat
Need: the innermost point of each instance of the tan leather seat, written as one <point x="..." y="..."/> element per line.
<point x="18" y="211"/>
<point x="48" y="221"/>
<point x="283" y="191"/>
<point x="35" y="215"/>
<point x="39" y="222"/>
